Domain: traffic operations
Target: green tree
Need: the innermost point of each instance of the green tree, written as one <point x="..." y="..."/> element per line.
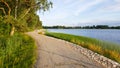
<point x="16" y="12"/>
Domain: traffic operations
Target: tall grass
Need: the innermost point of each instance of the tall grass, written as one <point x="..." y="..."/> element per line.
<point x="17" y="51"/>
<point x="107" y="49"/>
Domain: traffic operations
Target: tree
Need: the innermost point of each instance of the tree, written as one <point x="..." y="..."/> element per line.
<point x="15" y="11"/>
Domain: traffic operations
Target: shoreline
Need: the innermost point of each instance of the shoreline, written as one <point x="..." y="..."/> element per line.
<point x="107" y="35"/>
<point x="55" y="53"/>
<point x="93" y="55"/>
<point x="109" y="50"/>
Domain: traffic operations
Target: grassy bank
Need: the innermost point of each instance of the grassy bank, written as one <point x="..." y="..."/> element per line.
<point x="17" y="51"/>
<point x="109" y="50"/>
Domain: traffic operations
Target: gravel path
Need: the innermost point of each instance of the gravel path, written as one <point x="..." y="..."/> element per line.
<point x="55" y="53"/>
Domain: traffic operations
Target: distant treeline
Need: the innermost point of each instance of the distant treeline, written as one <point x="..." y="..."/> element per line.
<point x="82" y="27"/>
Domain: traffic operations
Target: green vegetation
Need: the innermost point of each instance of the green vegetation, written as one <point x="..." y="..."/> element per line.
<point x="109" y="50"/>
<point x="21" y="14"/>
<point x="18" y="51"/>
<point x="82" y="27"/>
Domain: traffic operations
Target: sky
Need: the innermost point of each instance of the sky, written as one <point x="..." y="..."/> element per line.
<point x="82" y="13"/>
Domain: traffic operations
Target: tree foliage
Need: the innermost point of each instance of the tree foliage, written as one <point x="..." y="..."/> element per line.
<point x="21" y="14"/>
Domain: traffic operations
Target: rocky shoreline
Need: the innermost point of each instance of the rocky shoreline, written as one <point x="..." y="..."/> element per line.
<point x="108" y="63"/>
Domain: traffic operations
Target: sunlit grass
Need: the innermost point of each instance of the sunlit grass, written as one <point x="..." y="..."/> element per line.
<point x="17" y="51"/>
<point x="107" y="49"/>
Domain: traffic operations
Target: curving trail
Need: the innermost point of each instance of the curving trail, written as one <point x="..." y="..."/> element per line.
<point x="55" y="53"/>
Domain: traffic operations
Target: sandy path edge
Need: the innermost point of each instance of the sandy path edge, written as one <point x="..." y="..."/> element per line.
<point x="55" y="53"/>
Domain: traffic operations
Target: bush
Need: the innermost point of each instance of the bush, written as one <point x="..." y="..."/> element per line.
<point x="17" y="51"/>
<point x="4" y="27"/>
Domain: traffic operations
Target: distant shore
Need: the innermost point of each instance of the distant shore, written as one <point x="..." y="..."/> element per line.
<point x="82" y="27"/>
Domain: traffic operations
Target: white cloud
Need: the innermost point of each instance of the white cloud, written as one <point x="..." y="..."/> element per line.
<point x="116" y="6"/>
<point x="87" y="6"/>
<point x="67" y="1"/>
<point x="71" y="12"/>
<point x="113" y="6"/>
<point x="117" y="1"/>
<point x="71" y="2"/>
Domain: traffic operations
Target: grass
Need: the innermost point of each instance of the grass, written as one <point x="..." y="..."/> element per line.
<point x="17" y="51"/>
<point x="107" y="49"/>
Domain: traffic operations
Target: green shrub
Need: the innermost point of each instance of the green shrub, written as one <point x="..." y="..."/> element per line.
<point x="4" y="27"/>
<point x="17" y="51"/>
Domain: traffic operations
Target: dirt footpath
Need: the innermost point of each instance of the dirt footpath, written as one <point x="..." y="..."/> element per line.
<point x="55" y="53"/>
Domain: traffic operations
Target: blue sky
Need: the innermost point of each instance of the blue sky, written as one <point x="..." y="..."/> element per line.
<point x="82" y="13"/>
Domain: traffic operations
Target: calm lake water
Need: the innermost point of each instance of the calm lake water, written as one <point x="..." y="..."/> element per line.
<point x="111" y="35"/>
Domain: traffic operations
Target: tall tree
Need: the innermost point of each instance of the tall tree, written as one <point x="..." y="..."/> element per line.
<point x="15" y="11"/>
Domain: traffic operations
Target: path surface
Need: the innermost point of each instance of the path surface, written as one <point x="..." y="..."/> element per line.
<point x="55" y="53"/>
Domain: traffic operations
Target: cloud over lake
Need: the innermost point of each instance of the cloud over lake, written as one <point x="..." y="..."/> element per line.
<point x="72" y="12"/>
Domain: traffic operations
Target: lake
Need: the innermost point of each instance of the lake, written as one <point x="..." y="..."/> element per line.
<point x="110" y="35"/>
